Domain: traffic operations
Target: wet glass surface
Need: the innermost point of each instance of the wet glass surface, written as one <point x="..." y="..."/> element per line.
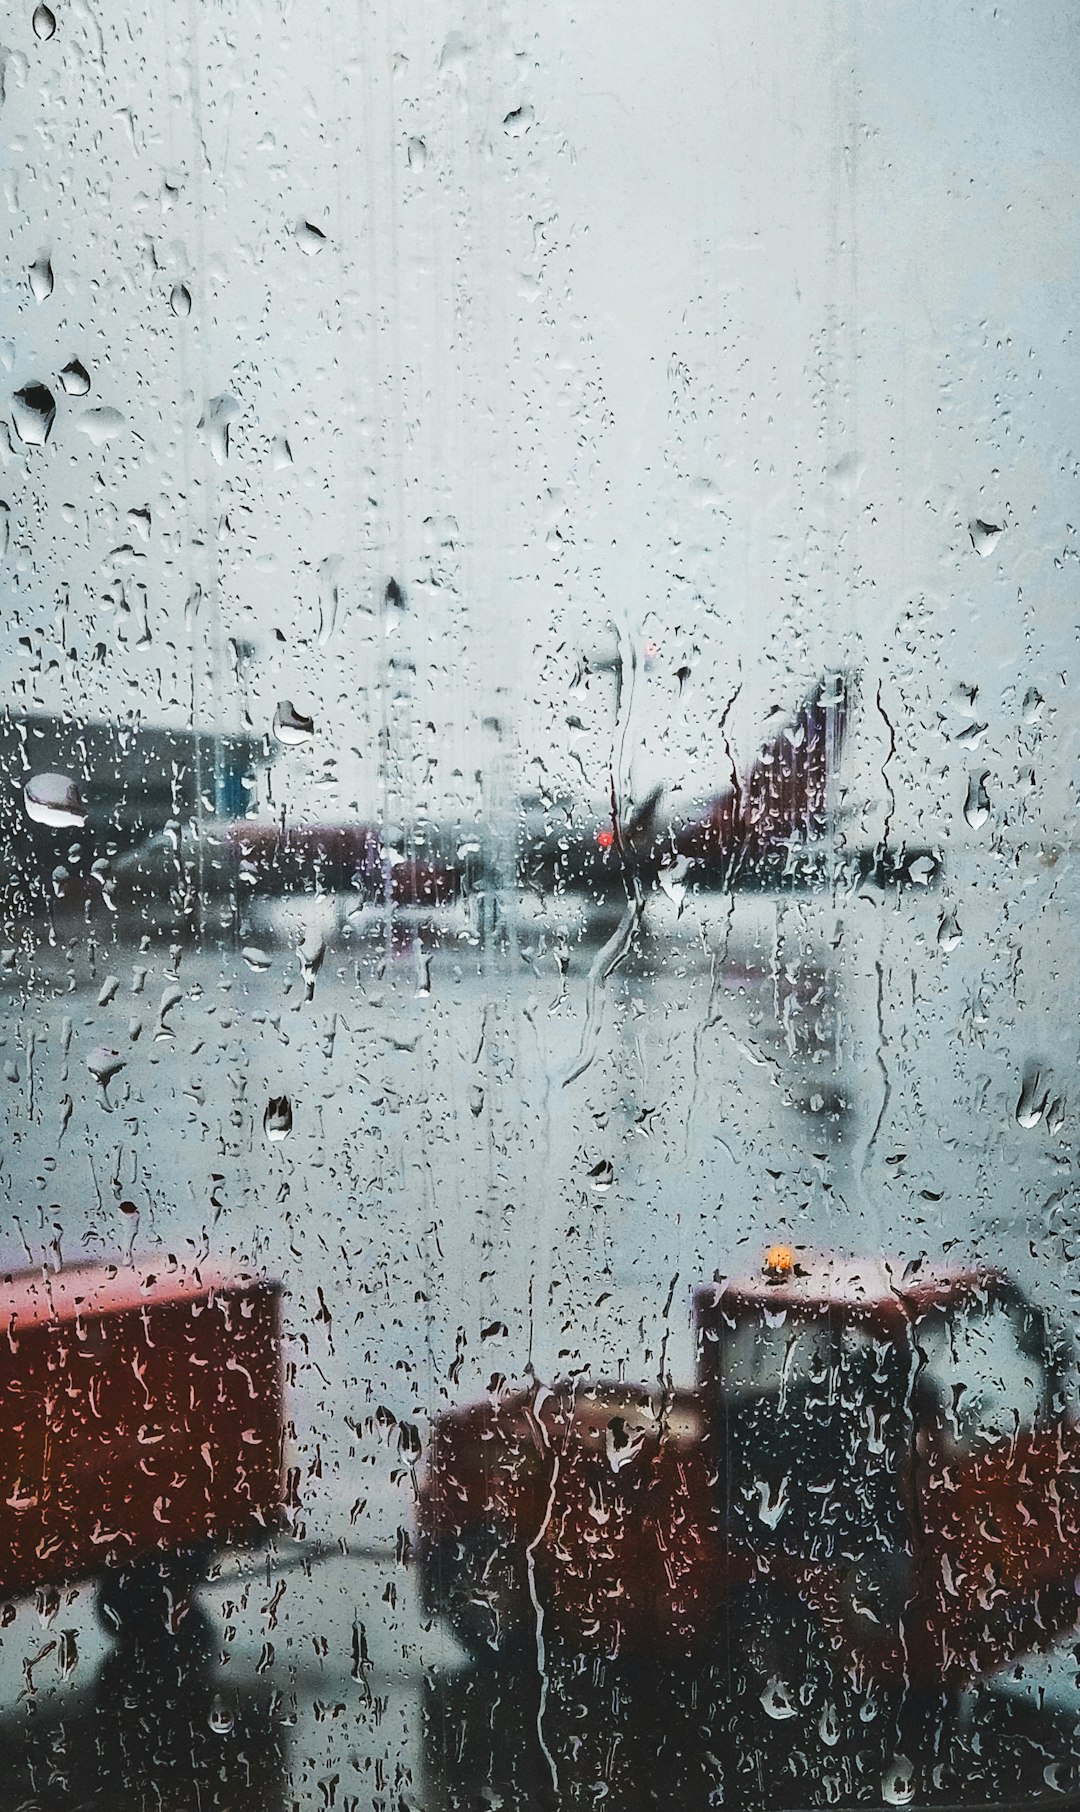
<point x="537" y="940"/>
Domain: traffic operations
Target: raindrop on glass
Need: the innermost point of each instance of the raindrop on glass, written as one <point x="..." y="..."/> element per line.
<point x="829" y="1726"/>
<point x="55" y="800"/>
<point x="602" y="1175"/>
<point x="290" y="725"/>
<point x="278" y="1120"/>
<point x="417" y="153"/>
<point x="221" y="1717"/>
<point x="898" y="1784"/>
<point x="922" y="870"/>
<point x="977" y="803"/>
<point x="1032" y="705"/>
<point x="311" y="954"/>
<point x="75" y="378"/>
<point x="517" y="122"/>
<point x="180" y="300"/>
<point x="949" y="932"/>
<point x="33" y="412"/>
<point x="43" y="22"/>
<point x="100" y="425"/>
<point x="41" y="278"/>
<point x="104" y="1062"/>
<point x="971" y="735"/>
<point x="309" y="238"/>
<point x="1033" y="1099"/>
<point x="777" y="1700"/>
<point x="984" y="536"/>
<point x="215" y="423"/>
<point x="255" y="958"/>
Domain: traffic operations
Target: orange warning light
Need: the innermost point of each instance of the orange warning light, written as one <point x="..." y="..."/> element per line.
<point x="779" y="1262"/>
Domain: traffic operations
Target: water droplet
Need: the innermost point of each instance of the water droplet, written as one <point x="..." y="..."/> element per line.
<point x="33" y="412"/>
<point x="602" y="1175"/>
<point x="221" y="1717"/>
<point x="100" y="425"/>
<point x="278" y="1118"/>
<point x="41" y="279"/>
<point x="777" y="1699"/>
<point x="454" y="54"/>
<point x="214" y="422"/>
<point x="255" y="958"/>
<point x="180" y="300"/>
<point x="128" y="1208"/>
<point x="104" y="1062"/>
<point x="772" y="1501"/>
<point x="829" y="1725"/>
<point x="949" y="932"/>
<point x="922" y="870"/>
<point x="673" y="878"/>
<point x="898" y="1783"/>
<point x="517" y="122"/>
<point x="476" y="1100"/>
<point x="984" y="536"/>
<point x="1033" y="1099"/>
<point x="54" y="799"/>
<point x="977" y="803"/>
<point x="75" y="378"/>
<point x="1032" y="705"/>
<point x="282" y="456"/>
<point x="417" y="153"/>
<point x="43" y="22"/>
<point x="310" y="238"/>
<point x="170" y="998"/>
<point x="329" y="597"/>
<point x="971" y="735"/>
<point x="290" y="725"/>
<point x="311" y="954"/>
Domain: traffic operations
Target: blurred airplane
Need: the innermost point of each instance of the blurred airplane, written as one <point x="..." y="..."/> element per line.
<point x="775" y="826"/>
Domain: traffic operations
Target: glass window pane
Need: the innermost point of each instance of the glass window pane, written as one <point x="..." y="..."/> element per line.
<point x="538" y="961"/>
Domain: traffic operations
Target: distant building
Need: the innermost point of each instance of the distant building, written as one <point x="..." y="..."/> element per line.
<point x="132" y="780"/>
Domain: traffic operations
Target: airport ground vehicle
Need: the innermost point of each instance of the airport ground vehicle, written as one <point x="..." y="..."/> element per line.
<point x="141" y="1418"/>
<point x="877" y="1466"/>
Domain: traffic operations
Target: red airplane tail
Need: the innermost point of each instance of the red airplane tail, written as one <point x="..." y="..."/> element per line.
<point x="784" y="798"/>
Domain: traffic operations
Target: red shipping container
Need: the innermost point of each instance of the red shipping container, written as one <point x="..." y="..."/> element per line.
<point x="140" y="1411"/>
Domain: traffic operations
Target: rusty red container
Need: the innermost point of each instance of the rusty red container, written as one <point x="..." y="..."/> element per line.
<point x="140" y="1411"/>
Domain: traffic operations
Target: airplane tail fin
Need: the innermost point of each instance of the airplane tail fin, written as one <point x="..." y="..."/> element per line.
<point x="785" y="796"/>
<point x="787" y="792"/>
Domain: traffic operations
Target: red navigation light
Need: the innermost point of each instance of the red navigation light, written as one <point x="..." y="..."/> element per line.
<point x="605" y="838"/>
